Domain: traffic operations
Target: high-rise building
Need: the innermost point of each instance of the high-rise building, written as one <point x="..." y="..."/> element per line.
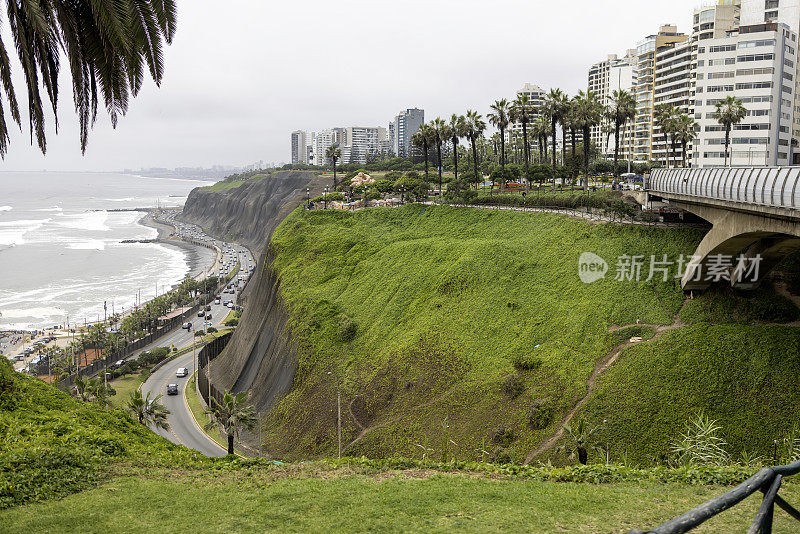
<point x="358" y="142"/>
<point x="645" y="74"/>
<point x="536" y="96"/>
<point x="613" y="74"/>
<point x="324" y="140"/>
<point x="302" y="147"/>
<point x="405" y="124"/>
<point x="673" y="87"/>
<point x="761" y="11"/>
<point x="757" y="65"/>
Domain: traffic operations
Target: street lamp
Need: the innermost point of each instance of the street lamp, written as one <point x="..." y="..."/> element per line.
<point x="308" y="194"/>
<point x="338" y="415"/>
<point x="402" y="194"/>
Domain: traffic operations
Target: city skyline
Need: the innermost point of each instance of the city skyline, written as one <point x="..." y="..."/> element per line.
<point x="218" y="108"/>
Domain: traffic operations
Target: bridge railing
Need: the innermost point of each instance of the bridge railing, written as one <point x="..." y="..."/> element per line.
<point x="777" y="187"/>
<point x="767" y="480"/>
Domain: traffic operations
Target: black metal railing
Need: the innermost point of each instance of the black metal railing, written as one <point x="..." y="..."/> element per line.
<point x="767" y="480"/>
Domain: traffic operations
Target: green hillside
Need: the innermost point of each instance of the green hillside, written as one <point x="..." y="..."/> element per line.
<point x="52" y="445"/>
<point x="471" y="328"/>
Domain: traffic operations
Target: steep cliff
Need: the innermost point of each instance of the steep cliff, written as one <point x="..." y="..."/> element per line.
<point x="250" y="212"/>
<point x="259" y="357"/>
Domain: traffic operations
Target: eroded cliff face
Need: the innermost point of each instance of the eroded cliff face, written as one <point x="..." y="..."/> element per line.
<point x="259" y="356"/>
<point x="249" y="213"/>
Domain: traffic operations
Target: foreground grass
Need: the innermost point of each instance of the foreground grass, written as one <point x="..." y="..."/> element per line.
<point x="391" y="502"/>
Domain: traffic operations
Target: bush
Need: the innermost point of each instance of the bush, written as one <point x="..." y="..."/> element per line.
<point x="212" y="330"/>
<point x="347" y="328"/>
<point x="525" y="361"/>
<point x="503" y="436"/>
<point x="500" y="456"/>
<point x="513" y="385"/>
<point x="232" y="322"/>
<point x="776" y="309"/>
<point x="540" y="414"/>
<point x="384" y="186"/>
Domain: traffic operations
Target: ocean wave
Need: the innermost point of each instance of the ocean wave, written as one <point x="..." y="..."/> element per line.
<point x="55" y="208"/>
<point x="91" y="244"/>
<point x="91" y="220"/>
<point x="6" y="208"/>
<point x="126" y="199"/>
<point x="13" y="232"/>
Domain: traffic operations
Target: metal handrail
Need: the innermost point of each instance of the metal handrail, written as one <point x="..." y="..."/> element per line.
<point x="767" y="480"/>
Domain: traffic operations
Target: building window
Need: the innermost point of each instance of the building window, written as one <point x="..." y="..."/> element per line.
<point x="770" y="16"/>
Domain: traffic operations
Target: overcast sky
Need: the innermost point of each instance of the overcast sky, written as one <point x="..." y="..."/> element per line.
<point x="242" y="74"/>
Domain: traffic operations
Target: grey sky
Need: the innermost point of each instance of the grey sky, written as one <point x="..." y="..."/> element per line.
<point x="242" y="74"/>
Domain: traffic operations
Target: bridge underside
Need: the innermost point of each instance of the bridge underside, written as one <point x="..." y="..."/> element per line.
<point x="740" y="249"/>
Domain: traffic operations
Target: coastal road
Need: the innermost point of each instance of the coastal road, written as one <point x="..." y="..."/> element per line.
<point x="183" y="428"/>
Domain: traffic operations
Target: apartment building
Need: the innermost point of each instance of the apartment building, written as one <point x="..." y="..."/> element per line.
<point x="536" y="95"/>
<point x="404" y="125"/>
<point x="673" y="86"/>
<point x="302" y="144"/>
<point x="757" y="65"/>
<point x="605" y="77"/>
<point x="645" y="73"/>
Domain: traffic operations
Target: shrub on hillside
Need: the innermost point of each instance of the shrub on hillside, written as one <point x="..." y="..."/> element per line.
<point x="774" y="309"/>
<point x="500" y="456"/>
<point x="525" y="361"/>
<point x="233" y="321"/>
<point x="541" y="414"/>
<point x="347" y="328"/>
<point x="504" y="436"/>
<point x="513" y="385"/>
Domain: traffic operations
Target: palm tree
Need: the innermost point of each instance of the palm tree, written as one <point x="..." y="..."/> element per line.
<point x="421" y="139"/>
<point x="499" y="119"/>
<point x="439" y="133"/>
<point x="231" y="415"/>
<point x="664" y="115"/>
<point x="108" y="47"/>
<point x="685" y="132"/>
<point x="554" y="108"/>
<point x="620" y="111"/>
<point x="541" y="127"/>
<point x="587" y="112"/>
<point x="522" y="112"/>
<point x="148" y="411"/>
<point x="730" y="111"/>
<point x="578" y="439"/>
<point x="457" y="129"/>
<point x="333" y="153"/>
<point x="474" y="127"/>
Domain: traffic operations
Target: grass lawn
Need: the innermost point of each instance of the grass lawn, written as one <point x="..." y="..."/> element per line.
<point x="124" y="386"/>
<point x="390" y="502"/>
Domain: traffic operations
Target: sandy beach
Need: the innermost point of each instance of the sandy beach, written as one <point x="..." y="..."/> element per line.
<point x="199" y="258"/>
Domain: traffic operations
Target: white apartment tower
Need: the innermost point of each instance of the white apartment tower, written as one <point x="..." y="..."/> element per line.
<point x="757" y="65"/>
<point x="613" y="74"/>
<point x="302" y="147"/>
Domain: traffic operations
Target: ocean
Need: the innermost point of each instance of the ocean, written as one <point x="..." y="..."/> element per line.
<point x="61" y="256"/>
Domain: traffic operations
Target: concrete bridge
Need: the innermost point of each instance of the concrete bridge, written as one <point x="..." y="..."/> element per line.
<point x="755" y="213"/>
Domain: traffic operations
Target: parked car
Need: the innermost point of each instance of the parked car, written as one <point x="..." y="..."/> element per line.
<point x="182" y="371"/>
<point x="172" y="389"/>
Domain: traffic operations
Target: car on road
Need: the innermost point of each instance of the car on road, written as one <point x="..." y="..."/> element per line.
<point x="208" y="308"/>
<point x="216" y="300"/>
<point x="172" y="389"/>
<point x="201" y="313"/>
<point x="181" y="372"/>
<point x="208" y="315"/>
<point x="186" y="326"/>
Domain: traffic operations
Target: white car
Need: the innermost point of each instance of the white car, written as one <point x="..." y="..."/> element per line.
<point x="182" y="371"/>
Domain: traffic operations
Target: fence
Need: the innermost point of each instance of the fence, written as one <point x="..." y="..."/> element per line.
<point x="768" y="481"/>
<point x="206" y="355"/>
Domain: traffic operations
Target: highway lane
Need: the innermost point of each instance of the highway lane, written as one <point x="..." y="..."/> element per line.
<point x="183" y="428"/>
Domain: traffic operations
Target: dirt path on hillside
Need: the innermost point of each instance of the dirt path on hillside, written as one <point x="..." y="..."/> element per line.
<point x="601" y="367"/>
